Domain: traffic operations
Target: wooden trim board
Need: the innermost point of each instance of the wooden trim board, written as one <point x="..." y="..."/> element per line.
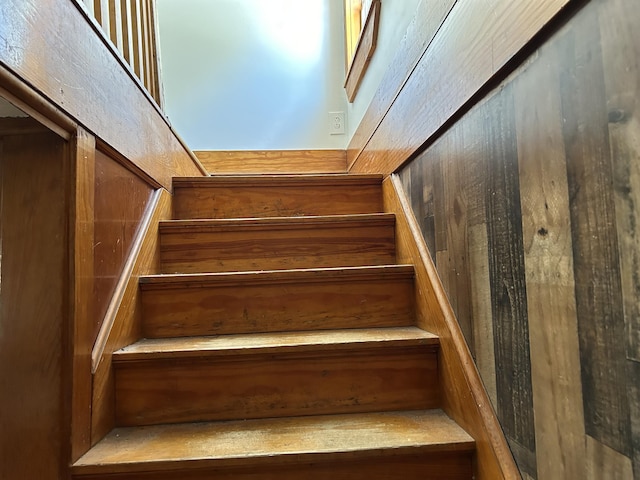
<point x="463" y="395"/>
<point x="364" y="51"/>
<point x="273" y="161"/>
<point x="467" y="52"/>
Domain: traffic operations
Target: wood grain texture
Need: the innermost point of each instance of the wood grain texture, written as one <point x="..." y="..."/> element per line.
<point x="273" y="161"/>
<point x="215" y="304"/>
<point x="34" y="308"/>
<point x="507" y="282"/>
<point x="463" y="396"/>
<point x="575" y="132"/>
<point x="121" y="198"/>
<point x="126" y="326"/>
<point x="276" y="243"/>
<point x="318" y="447"/>
<point x="595" y="245"/>
<point x="82" y="287"/>
<point x="467" y="51"/>
<point x="552" y="317"/>
<point x="364" y="51"/>
<point x="275" y="381"/>
<point x="428" y="18"/>
<point x="276" y="195"/>
<point x="82" y="76"/>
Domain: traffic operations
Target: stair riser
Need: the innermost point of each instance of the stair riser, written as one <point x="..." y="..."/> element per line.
<point x="257" y="249"/>
<point x="428" y="466"/>
<point x="288" y="384"/>
<point x="278" y="201"/>
<point x="189" y="311"/>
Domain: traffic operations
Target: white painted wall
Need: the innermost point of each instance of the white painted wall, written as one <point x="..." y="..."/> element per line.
<point x="253" y="74"/>
<point x="395" y="16"/>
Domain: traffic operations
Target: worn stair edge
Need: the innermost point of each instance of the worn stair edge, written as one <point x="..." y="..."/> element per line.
<point x="278" y="180"/>
<point x="276" y="277"/>
<point x="276" y="223"/>
<point x="274" y="343"/>
<point x="273" y="441"/>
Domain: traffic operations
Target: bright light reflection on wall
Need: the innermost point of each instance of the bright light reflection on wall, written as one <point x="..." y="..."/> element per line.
<point x="294" y="28"/>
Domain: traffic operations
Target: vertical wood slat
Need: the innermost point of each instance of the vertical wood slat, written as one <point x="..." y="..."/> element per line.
<point x="101" y="12"/>
<point x="126" y="22"/>
<point x="115" y="24"/>
<point x="131" y="26"/>
<point x="595" y="245"/>
<point x="81" y="255"/>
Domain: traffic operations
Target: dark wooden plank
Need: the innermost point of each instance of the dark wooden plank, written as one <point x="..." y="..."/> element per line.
<point x="595" y="245"/>
<point x="621" y="59"/>
<point x="507" y="280"/>
<point x="620" y="40"/>
<point x="553" y="323"/>
<point x="463" y="396"/>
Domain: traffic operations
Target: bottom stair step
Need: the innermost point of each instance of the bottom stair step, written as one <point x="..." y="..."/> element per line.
<point x="406" y="445"/>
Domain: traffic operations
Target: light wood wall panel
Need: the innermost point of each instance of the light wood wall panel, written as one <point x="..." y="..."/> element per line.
<point x="474" y="42"/>
<point x="54" y="48"/>
<point x="34" y="306"/>
<point x="120" y="201"/>
<point x="539" y="183"/>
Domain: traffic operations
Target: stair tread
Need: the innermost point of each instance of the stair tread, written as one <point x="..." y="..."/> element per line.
<point x="310" y="221"/>
<point x="234" y="442"/>
<point x="255" y="343"/>
<point x="271" y="180"/>
<point x="273" y="276"/>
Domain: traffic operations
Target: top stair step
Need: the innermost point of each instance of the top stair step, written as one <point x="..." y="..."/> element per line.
<point x="248" y="196"/>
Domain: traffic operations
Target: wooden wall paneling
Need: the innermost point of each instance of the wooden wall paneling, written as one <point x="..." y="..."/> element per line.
<point x="34" y="305"/>
<point x="120" y="201"/>
<point x="76" y="69"/>
<point x="507" y="281"/>
<point x="551" y="312"/>
<point x="595" y="247"/>
<point x="463" y="396"/>
<point x="428" y="18"/>
<point x="125" y="328"/>
<point x="81" y="246"/>
<point x="604" y="462"/>
<point x="472" y="153"/>
<point x="620" y="54"/>
<point x="466" y="53"/>
<point x="127" y="32"/>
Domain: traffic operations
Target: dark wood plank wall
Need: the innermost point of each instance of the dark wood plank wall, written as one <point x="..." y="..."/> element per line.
<point x="529" y="204"/>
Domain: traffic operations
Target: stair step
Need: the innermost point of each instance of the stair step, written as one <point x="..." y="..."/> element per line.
<point x="409" y="445"/>
<point x="195" y="246"/>
<point x="236" y="196"/>
<point x="279" y="300"/>
<point x="275" y="374"/>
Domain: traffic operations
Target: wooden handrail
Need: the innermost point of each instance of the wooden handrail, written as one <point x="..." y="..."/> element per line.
<point x="132" y="28"/>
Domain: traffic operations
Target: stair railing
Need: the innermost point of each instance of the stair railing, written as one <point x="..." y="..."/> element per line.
<point x="132" y="28"/>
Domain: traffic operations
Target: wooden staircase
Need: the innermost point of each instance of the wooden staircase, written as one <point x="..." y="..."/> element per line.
<point x="279" y="343"/>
